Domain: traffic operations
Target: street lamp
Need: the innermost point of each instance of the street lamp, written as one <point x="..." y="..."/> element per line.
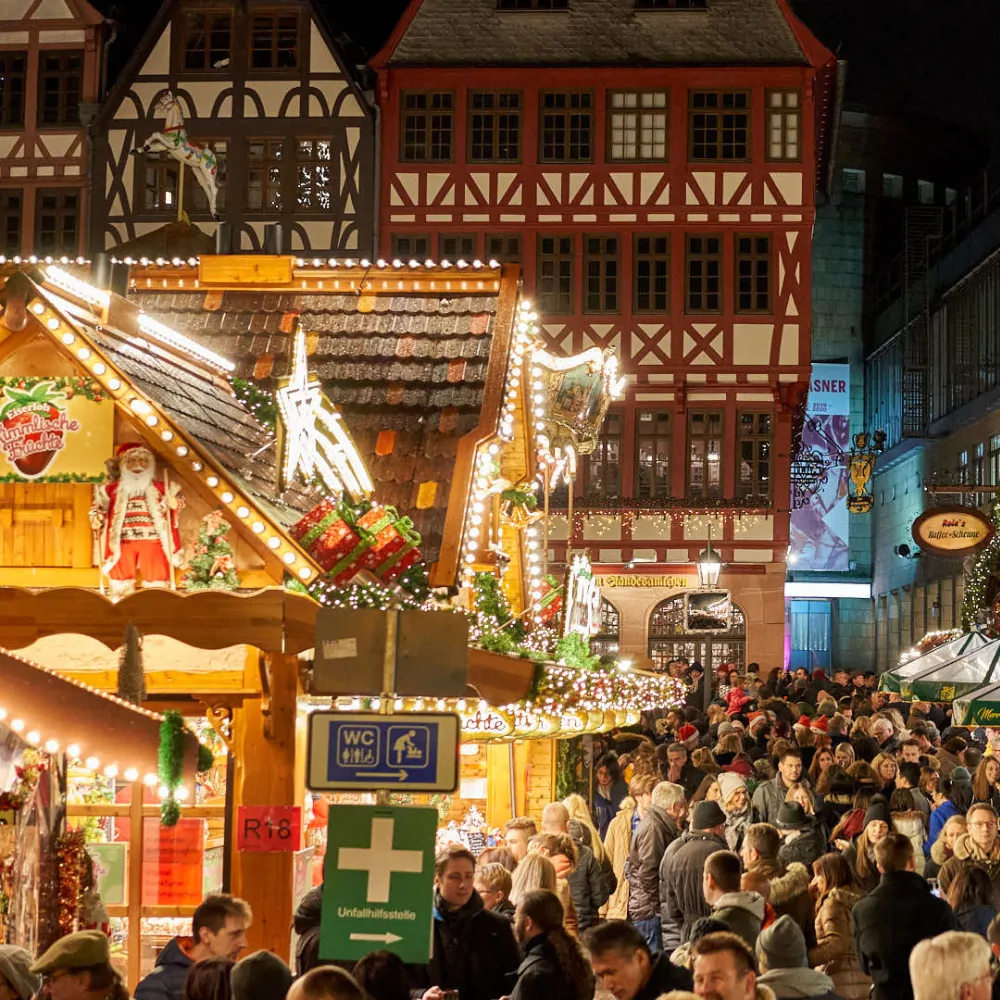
<point x="709" y="566"/>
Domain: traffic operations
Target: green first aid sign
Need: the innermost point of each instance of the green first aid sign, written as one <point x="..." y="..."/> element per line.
<point x="378" y="882"/>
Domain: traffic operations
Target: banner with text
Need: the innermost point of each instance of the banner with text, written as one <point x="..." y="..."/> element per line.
<point x="820" y="527"/>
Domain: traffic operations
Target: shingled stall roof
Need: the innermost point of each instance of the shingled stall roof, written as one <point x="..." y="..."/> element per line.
<point x="407" y="361"/>
<point x="593" y="33"/>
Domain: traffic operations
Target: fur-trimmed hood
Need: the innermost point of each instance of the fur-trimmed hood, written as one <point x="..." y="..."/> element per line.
<point x="627" y="804"/>
<point x="939" y="853"/>
<point x="793" y="883"/>
<point x="966" y="849"/>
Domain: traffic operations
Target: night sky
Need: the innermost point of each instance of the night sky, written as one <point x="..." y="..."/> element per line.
<point x="932" y="57"/>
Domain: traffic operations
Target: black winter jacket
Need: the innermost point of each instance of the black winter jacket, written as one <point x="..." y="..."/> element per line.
<point x="306" y="923"/>
<point x="473" y="951"/>
<point x="665" y="977"/>
<point x="806" y="847"/>
<point x="587" y="886"/>
<point x="655" y="832"/>
<point x="541" y="977"/>
<point x="682" y="900"/>
<point x="889" y="922"/>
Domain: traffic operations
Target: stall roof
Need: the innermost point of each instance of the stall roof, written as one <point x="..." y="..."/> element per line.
<point x="54" y="712"/>
<point x="958" y="676"/>
<point x="980" y="707"/>
<point x="947" y="651"/>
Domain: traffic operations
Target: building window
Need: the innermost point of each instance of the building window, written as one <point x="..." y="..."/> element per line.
<point x="605" y="643"/>
<point x="784" y="125"/>
<point x="853" y="181"/>
<point x="704" y="274"/>
<point x="669" y="639"/>
<point x="314" y="175"/>
<point x="892" y="186"/>
<point x="410" y="246"/>
<point x="671" y="4"/>
<point x="504" y="247"/>
<point x="603" y="475"/>
<point x="60" y="79"/>
<point x="555" y="275"/>
<point x="160" y="181"/>
<point x="274" y="40"/>
<point x="950" y="194"/>
<point x="57" y="222"/>
<point x="720" y="125"/>
<point x="264" y="168"/>
<point x="207" y="40"/>
<point x="753" y="273"/>
<point x="925" y="192"/>
<point x="653" y="432"/>
<point x="601" y="265"/>
<point x="12" y="67"/>
<point x="753" y="474"/>
<point x="994" y="460"/>
<point x="494" y="126"/>
<point x="651" y="273"/>
<point x="11" y="207"/>
<point x="567" y="127"/>
<point x="532" y="4"/>
<point x="457" y="246"/>
<point x="428" y="126"/>
<point x="195" y="199"/>
<point x="705" y="454"/>
<point x="637" y="124"/>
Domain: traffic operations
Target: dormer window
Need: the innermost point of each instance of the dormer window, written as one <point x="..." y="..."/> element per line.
<point x="532" y="4"/>
<point x="671" y="4"/>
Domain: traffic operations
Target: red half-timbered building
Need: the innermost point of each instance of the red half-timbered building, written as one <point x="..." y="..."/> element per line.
<point x="652" y="164"/>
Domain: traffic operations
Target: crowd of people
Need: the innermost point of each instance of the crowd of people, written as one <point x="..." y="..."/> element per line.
<point x="804" y="838"/>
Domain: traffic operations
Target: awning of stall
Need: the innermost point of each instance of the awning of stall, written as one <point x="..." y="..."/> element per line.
<point x="959" y="676"/>
<point x="935" y="657"/>
<point x="55" y="713"/>
<point x="978" y="708"/>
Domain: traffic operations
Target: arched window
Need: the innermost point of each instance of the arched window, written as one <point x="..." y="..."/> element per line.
<point x="668" y="640"/>
<point x="605" y="643"/>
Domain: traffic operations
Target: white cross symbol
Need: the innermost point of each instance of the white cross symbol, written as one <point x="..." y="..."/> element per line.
<point x="380" y="860"/>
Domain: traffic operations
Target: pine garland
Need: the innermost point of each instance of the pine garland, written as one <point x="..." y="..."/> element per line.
<point x="260" y="402"/>
<point x="171" y="765"/>
<point x="492" y="626"/>
<point x="977" y="587"/>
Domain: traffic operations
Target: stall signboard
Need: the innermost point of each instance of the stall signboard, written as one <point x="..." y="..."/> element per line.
<point x="378" y="882"/>
<point x="54" y="429"/>
<point x="171" y="862"/>
<point x="952" y="531"/>
<point x="364" y="750"/>
<point x="110" y="871"/>
<point x="820" y="528"/>
<point x="269" y="829"/>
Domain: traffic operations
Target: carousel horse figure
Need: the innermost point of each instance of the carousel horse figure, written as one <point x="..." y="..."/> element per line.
<point x="174" y="140"/>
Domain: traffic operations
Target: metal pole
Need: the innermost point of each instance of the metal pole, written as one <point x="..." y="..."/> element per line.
<point x="387" y="701"/>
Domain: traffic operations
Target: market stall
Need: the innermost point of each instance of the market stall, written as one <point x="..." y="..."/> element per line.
<point x="980" y="707"/>
<point x="936" y="654"/>
<point x="959" y="676"/>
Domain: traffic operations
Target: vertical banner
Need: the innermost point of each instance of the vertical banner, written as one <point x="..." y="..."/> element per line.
<point x="820" y="528"/>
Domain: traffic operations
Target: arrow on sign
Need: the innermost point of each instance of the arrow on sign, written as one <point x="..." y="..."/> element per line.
<point x="387" y="938"/>
<point x="398" y="775"/>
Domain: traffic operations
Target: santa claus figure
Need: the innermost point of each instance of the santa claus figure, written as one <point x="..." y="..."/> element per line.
<point x="135" y="516"/>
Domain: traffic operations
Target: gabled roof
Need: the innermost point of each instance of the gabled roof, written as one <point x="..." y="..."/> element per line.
<point x="409" y="362"/>
<point x="593" y="33"/>
<point x="71" y="11"/>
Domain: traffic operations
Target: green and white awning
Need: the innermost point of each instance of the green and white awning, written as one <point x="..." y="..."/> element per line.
<point x="945" y="653"/>
<point x="960" y="676"/>
<point x="980" y="708"/>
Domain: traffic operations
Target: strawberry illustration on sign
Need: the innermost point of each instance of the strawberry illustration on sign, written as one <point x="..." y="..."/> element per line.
<point x="33" y="426"/>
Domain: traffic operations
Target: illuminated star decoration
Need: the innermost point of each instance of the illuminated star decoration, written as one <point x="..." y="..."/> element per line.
<point x="312" y="438"/>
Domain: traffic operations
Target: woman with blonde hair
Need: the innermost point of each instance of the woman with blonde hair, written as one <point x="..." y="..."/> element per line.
<point x="844" y="755"/>
<point x="943" y="847"/>
<point x="909" y="821"/>
<point x="576" y="806"/>
<point x="560" y="851"/>
<point x="885" y="768"/>
<point x="534" y="872"/>
<point x="986" y="782"/>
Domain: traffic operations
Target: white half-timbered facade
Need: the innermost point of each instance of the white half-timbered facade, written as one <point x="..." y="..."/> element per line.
<point x="266" y="86"/>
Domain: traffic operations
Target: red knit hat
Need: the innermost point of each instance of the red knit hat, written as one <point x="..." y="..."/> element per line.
<point x="820" y="724"/>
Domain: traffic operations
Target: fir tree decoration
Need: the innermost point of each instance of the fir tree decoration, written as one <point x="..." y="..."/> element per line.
<point x="977" y="587"/>
<point x="258" y="401"/>
<point x="131" y="674"/>
<point x="212" y="566"/>
<point x="492" y="627"/>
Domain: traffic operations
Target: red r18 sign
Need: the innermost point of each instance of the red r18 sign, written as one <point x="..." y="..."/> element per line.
<point x="269" y="828"/>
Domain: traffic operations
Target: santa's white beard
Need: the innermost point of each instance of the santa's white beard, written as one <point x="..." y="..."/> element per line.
<point x="135" y="484"/>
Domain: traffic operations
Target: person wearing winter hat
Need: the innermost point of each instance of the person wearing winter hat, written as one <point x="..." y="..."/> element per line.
<point x="741" y="912"/>
<point x="735" y="801"/>
<point x="804" y="722"/>
<point x="820" y="724"/>
<point x="15" y="972"/>
<point x="682" y="900"/>
<point x="260" y="976"/>
<point x="784" y="964"/>
<point x="860" y="854"/>
<point x="801" y="835"/>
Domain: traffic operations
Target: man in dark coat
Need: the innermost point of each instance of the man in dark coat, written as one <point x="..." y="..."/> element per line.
<point x="657" y="829"/>
<point x="473" y="950"/>
<point x="802" y="835"/>
<point x="624" y="967"/>
<point x="889" y="922"/>
<point x="682" y="900"/>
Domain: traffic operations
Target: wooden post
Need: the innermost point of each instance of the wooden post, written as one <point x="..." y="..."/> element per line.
<point x="265" y="775"/>
<point x="135" y="852"/>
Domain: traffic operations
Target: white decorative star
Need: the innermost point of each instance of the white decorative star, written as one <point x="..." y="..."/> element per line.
<point x="312" y="438"/>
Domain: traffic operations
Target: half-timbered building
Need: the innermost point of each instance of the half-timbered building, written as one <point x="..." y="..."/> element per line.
<point x="50" y="59"/>
<point x="652" y="166"/>
<point x="269" y="90"/>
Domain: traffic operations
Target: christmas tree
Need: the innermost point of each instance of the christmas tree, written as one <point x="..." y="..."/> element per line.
<point x="131" y="676"/>
<point x="212" y="566"/>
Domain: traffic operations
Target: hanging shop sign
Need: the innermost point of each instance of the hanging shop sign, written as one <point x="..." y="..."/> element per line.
<point x="952" y="531"/>
<point x="583" y="599"/>
<point x="54" y="429"/>
<point x="650" y="580"/>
